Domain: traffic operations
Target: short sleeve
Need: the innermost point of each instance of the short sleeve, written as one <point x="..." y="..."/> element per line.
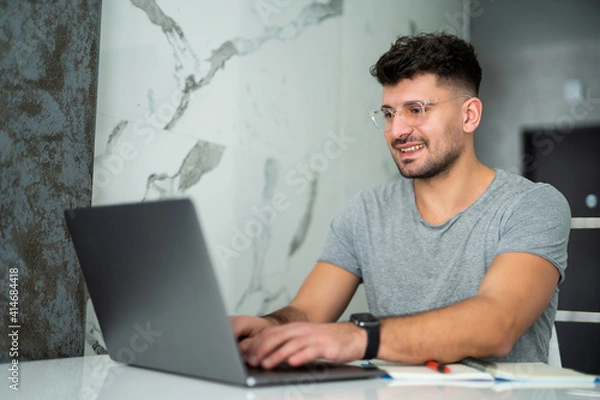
<point x="539" y="223"/>
<point x="340" y="246"/>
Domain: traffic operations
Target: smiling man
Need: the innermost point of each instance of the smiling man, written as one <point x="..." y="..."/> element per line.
<point x="457" y="259"/>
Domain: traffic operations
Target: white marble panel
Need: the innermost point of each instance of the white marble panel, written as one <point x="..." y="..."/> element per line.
<point x="257" y="111"/>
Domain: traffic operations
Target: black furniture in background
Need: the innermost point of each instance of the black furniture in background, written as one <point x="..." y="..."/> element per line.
<point x="569" y="159"/>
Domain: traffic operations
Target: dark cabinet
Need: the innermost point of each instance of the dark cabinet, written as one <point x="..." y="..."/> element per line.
<point x="569" y="159"/>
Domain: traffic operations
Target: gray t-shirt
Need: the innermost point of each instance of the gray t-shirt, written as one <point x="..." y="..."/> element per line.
<point x="409" y="266"/>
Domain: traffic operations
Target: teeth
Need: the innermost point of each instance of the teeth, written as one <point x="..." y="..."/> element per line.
<point x="412" y="148"/>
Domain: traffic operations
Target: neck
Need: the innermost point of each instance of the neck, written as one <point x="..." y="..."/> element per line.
<point x="441" y="197"/>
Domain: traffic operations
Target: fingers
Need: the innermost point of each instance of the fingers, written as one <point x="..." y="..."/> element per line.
<point x="246" y="326"/>
<point x="296" y="349"/>
<point x="298" y="343"/>
<point x="247" y="329"/>
<point x="295" y="344"/>
<point x="239" y="326"/>
<point x="303" y="355"/>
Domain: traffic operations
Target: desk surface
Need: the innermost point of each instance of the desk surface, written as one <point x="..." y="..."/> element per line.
<point x="97" y="377"/>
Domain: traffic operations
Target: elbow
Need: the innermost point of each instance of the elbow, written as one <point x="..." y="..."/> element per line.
<point x="501" y="348"/>
<point x="502" y="342"/>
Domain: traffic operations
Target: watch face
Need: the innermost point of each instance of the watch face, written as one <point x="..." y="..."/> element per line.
<point x="364" y="318"/>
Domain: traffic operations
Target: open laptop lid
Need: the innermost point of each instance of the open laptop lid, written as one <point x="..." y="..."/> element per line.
<point x="157" y="298"/>
<point x="154" y="290"/>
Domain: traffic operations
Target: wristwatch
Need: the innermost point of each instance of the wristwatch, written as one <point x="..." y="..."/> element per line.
<point x="371" y="324"/>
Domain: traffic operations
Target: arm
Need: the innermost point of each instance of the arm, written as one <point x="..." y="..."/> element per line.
<point x="323" y="297"/>
<point x="513" y="294"/>
<point x="326" y="293"/>
<point x="515" y="291"/>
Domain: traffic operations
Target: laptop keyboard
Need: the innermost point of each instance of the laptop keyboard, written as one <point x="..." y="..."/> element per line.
<point x="312" y="366"/>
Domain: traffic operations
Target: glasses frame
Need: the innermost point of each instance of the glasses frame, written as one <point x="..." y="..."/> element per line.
<point x="397" y="111"/>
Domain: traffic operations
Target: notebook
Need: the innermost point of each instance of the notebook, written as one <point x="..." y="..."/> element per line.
<point x="479" y="372"/>
<point x="528" y="372"/>
<point x="157" y="298"/>
<point x="421" y="373"/>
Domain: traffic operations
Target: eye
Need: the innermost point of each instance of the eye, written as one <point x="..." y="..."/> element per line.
<point x="413" y="109"/>
<point x="387" y="112"/>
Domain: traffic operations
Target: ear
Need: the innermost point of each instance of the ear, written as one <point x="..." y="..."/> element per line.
<point x="472" y="109"/>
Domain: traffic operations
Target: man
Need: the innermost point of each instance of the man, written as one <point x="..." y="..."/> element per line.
<point x="458" y="260"/>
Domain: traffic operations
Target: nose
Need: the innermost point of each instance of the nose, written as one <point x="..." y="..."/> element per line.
<point x="399" y="128"/>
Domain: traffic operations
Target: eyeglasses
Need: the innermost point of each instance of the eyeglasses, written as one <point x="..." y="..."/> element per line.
<point x="412" y="113"/>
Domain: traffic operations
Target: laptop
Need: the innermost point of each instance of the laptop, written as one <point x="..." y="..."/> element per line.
<point x="157" y="298"/>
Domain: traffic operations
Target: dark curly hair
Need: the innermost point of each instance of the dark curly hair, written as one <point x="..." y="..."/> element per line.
<point x="450" y="58"/>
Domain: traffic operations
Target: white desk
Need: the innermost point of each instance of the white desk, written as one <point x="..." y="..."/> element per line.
<point x="97" y="377"/>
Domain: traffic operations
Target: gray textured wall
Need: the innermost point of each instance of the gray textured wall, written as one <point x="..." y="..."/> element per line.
<point x="528" y="50"/>
<point x="48" y="73"/>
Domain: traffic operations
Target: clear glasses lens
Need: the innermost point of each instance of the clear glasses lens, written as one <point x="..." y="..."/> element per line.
<point x="411" y="114"/>
<point x="379" y="119"/>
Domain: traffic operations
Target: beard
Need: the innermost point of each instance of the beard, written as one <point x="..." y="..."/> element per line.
<point x="433" y="167"/>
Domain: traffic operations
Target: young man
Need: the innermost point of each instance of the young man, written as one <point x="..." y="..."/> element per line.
<point x="458" y="260"/>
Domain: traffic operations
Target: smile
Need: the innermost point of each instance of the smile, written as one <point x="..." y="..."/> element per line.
<point x="412" y="148"/>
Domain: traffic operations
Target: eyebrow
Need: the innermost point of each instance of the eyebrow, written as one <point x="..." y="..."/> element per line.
<point x="406" y="103"/>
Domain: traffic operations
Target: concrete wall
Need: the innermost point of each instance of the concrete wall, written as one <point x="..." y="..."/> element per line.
<point x="48" y="73"/>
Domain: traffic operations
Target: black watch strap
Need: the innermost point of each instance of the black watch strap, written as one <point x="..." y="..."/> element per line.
<point x="370" y="324"/>
<point x="372" y="343"/>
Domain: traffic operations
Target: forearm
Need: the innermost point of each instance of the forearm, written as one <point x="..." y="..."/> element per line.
<point x="286" y="315"/>
<point x="472" y="328"/>
<point x="514" y="293"/>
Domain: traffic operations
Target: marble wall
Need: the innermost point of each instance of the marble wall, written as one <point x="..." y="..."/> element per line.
<point x="48" y="71"/>
<point x="257" y="110"/>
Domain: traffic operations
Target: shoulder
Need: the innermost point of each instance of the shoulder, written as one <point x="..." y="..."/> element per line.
<point x="538" y="205"/>
<point x="533" y="218"/>
<point x="519" y="190"/>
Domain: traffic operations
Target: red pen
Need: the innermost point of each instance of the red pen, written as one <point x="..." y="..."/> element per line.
<point x="436" y="366"/>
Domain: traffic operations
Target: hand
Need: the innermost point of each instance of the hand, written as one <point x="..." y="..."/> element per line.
<point x="245" y="326"/>
<point x="301" y="342"/>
